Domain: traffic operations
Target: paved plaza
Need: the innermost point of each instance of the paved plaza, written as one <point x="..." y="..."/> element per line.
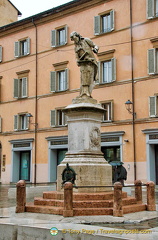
<point x="31" y="226"/>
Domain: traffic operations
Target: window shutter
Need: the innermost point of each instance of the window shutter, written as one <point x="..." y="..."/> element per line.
<point x="53" y="118"/>
<point x="28" y="45"/>
<point x="16" y="88"/>
<point x="27" y="122"/>
<point x="24" y="87"/>
<point x="53" y="81"/>
<point x="66" y="34"/>
<point x="96" y="25"/>
<point x="112" y="14"/>
<point x="151" y="61"/>
<point x="113" y="63"/>
<point x="153" y="106"/>
<point x="66" y="78"/>
<point x="112" y="110"/>
<point x="17" y="49"/>
<point x="0" y="124"/>
<point x="15" y="122"/>
<point x="53" y="38"/>
<point x="150" y="9"/>
<point x="99" y="73"/>
<point x="0" y="53"/>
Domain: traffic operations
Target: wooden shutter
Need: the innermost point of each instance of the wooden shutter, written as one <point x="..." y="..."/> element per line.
<point x="16" y="119"/>
<point x="66" y="34"/>
<point x="66" y="78"/>
<point x="150" y="8"/>
<point x="16" y="88"/>
<point x="53" y="38"/>
<point x="17" y="49"/>
<point x="28" y="45"/>
<point x="113" y="64"/>
<point x="151" y="61"/>
<point x="0" y="124"/>
<point x="24" y="87"/>
<point x="100" y="75"/>
<point x="53" y="76"/>
<point x="27" y="122"/>
<point x="97" y="26"/>
<point x="153" y="106"/>
<point x="53" y="118"/>
<point x="0" y="53"/>
<point x="112" y="14"/>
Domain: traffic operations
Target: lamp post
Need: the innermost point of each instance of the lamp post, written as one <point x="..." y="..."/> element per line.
<point x="129" y="105"/>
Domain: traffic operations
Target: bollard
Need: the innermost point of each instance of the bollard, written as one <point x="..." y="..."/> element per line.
<point x="20" y="196"/>
<point x="68" y="200"/>
<point x="117" y="207"/>
<point x="138" y="190"/>
<point x="151" y="206"/>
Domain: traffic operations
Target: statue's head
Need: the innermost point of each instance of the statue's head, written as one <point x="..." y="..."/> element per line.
<point x="76" y="37"/>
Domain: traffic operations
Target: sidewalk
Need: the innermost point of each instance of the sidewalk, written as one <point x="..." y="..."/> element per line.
<point x="31" y="226"/>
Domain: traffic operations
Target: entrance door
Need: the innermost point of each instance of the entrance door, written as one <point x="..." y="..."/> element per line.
<point x="111" y="153"/>
<point x="156" y="164"/>
<point x="25" y="166"/>
<point x="60" y="155"/>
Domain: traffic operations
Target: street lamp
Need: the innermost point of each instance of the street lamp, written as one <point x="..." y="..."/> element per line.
<point x="128" y="105"/>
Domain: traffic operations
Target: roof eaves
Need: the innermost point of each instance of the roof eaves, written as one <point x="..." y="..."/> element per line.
<point x="19" y="13"/>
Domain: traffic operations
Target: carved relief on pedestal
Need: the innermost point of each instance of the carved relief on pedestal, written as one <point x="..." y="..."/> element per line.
<point x="95" y="138"/>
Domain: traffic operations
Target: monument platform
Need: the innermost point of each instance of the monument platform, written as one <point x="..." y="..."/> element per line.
<point x="84" y="204"/>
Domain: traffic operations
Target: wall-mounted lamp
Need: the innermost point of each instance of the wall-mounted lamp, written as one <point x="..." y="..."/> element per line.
<point x="29" y="115"/>
<point x="128" y="105"/>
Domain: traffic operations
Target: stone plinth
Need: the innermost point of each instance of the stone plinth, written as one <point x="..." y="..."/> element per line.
<point x="84" y="147"/>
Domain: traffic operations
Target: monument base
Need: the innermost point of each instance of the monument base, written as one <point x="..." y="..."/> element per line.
<point x="90" y="172"/>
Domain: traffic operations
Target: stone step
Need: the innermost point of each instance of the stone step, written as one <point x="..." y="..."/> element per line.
<point x="30" y="207"/>
<point x="84" y="203"/>
<point x="92" y="211"/>
<point x="134" y="208"/>
<point x="48" y="202"/>
<point x="82" y="196"/>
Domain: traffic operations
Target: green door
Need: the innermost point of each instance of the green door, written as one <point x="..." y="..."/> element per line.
<point x="60" y="155"/>
<point x="25" y="166"/>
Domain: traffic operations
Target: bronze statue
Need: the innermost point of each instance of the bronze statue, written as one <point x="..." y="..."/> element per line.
<point x="84" y="50"/>
<point x="68" y="175"/>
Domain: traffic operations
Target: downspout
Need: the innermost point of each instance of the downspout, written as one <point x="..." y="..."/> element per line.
<point x="36" y="106"/>
<point x="133" y="93"/>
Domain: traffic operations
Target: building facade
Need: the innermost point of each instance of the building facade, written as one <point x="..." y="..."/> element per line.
<point x="8" y="12"/>
<point x="39" y="77"/>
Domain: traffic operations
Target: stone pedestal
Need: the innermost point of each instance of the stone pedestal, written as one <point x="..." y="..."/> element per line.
<point x="84" y="147"/>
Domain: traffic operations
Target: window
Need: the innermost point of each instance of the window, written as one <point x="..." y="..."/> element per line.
<point x="22" y="47"/>
<point x="58" y="118"/>
<point x="21" y="122"/>
<point x="107" y="71"/>
<point x="153" y="61"/>
<point x="152" y="9"/>
<point x="59" y="80"/>
<point x="153" y="106"/>
<point x="0" y="53"/>
<point x="59" y="37"/>
<point x="20" y="88"/>
<point x="108" y="114"/>
<point x="104" y="23"/>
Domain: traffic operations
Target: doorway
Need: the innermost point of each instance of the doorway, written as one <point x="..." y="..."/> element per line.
<point x="24" y="170"/>
<point x="156" y="164"/>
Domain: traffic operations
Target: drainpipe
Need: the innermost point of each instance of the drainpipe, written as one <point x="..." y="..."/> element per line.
<point x="133" y="93"/>
<point x="36" y="106"/>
